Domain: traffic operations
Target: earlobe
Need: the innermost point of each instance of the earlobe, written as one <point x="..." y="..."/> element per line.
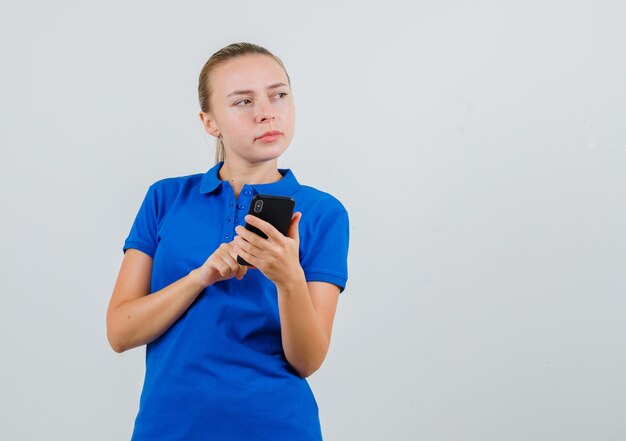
<point x="208" y="125"/>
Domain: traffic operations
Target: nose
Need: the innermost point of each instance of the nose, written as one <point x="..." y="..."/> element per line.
<point x="265" y="111"/>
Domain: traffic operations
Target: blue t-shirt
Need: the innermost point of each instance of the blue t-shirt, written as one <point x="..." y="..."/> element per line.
<point x="220" y="372"/>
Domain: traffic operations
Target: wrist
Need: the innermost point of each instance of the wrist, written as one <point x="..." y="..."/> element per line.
<point x="295" y="280"/>
<point x="199" y="278"/>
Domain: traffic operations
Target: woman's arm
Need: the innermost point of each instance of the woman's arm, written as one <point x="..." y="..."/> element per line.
<point x="135" y="318"/>
<point x="307" y="312"/>
<point x="306" y="309"/>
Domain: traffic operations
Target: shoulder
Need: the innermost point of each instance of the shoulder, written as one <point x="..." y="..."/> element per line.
<point x="176" y="182"/>
<point x="311" y="198"/>
<point x="165" y="193"/>
<point x="174" y="185"/>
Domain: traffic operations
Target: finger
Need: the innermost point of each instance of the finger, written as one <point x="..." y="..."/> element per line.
<point x="254" y="261"/>
<point x="231" y="249"/>
<point x="241" y="272"/>
<point x="252" y="248"/>
<point x="234" y="255"/>
<point x="250" y="237"/>
<point x="227" y="254"/>
<point x="232" y="264"/>
<point x="222" y="268"/>
<point x="267" y="252"/>
<point x="293" y="226"/>
<point x="264" y="226"/>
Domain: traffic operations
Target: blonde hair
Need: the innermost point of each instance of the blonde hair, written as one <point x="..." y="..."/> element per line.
<point x="220" y="57"/>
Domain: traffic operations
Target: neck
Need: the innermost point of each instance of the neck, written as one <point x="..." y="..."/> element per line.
<point x="238" y="173"/>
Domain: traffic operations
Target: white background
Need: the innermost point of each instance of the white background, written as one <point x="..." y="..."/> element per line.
<point x="479" y="148"/>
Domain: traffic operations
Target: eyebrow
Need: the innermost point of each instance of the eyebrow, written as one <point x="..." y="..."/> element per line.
<point x="244" y="92"/>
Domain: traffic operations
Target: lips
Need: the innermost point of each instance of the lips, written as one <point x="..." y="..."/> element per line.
<point x="270" y="134"/>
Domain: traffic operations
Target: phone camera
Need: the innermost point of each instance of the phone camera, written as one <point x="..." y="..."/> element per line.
<point x="258" y="206"/>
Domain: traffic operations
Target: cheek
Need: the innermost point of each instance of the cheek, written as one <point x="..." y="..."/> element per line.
<point x="236" y="122"/>
<point x="292" y="119"/>
<point x="287" y="111"/>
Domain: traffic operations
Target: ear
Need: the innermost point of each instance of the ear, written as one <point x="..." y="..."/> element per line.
<point x="209" y="124"/>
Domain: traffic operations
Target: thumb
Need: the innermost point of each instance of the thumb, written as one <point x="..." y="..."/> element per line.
<point x="293" y="226"/>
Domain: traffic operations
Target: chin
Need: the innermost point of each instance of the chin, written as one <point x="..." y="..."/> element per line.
<point x="258" y="154"/>
<point x="270" y="154"/>
<point x="265" y="158"/>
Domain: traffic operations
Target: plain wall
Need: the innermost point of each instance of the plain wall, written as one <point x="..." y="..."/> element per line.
<point x="479" y="147"/>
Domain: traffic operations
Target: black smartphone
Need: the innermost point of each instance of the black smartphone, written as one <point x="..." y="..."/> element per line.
<point x="277" y="210"/>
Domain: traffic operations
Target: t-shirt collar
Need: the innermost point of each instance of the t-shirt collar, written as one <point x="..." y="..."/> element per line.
<point x="283" y="187"/>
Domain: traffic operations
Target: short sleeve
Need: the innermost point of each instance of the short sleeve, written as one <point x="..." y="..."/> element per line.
<point x="326" y="259"/>
<point x="143" y="233"/>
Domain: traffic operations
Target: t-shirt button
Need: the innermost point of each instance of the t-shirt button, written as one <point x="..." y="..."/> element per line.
<point x="240" y="206"/>
<point x="228" y="220"/>
<point x="248" y="192"/>
<point x="227" y="236"/>
<point x="236" y="220"/>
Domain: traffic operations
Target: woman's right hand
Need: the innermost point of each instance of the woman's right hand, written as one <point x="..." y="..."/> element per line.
<point x="221" y="265"/>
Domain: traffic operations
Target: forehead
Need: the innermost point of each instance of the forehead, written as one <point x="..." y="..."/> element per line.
<point x="247" y="72"/>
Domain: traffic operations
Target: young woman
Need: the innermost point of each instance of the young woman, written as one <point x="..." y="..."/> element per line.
<point x="229" y="347"/>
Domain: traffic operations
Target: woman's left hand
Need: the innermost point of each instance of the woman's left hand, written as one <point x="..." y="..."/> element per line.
<point x="278" y="256"/>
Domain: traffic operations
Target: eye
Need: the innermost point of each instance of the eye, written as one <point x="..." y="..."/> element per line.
<point x="282" y="93"/>
<point x="241" y="101"/>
